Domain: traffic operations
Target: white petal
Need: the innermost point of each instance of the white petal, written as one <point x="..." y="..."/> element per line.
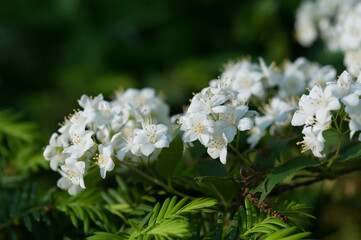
<point x="223" y="156"/>
<point x="245" y="124"/>
<point x="147" y="149"/>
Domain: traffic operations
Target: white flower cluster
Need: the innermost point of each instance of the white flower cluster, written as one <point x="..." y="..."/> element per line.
<point x="281" y="85"/>
<point x="338" y="24"/>
<point x="314" y="111"/>
<point x="214" y="117"/>
<point x="134" y="125"/>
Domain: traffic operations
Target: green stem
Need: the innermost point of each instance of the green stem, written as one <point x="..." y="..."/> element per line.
<point x="243" y="158"/>
<point x="237" y="139"/>
<point x="339" y="133"/>
<point x="332" y="160"/>
<point x="156" y="181"/>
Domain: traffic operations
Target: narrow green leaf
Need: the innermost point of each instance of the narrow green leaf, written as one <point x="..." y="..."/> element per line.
<point x="280" y="234"/>
<point x="107" y="236"/>
<point x="170" y="206"/>
<point x="162" y="210"/>
<point x="73" y="219"/>
<point x="243" y="219"/>
<point x="86" y="223"/>
<point x="297" y="236"/>
<point x="27" y="222"/>
<point x="248" y="213"/>
<point x="135" y="225"/>
<point x="155" y="214"/>
<point x="178" y="206"/>
<point x="232" y="234"/>
<point x="219" y="232"/>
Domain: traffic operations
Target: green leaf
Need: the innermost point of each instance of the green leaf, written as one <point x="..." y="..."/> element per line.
<point x="353" y="152"/>
<point x="219" y="228"/>
<point x="281" y="172"/>
<point x="107" y="236"/>
<point x="162" y="210"/>
<point x="171" y="228"/>
<point x="218" y="187"/>
<point x="232" y="234"/>
<point x="27" y="222"/>
<point x="198" y="204"/>
<point x="169" y="158"/>
<point x="277" y="145"/>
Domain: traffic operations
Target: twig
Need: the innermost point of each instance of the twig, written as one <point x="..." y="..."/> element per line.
<point x="309" y="182"/>
<point x="243" y="158"/>
<point x="156" y="181"/>
<point x="255" y="200"/>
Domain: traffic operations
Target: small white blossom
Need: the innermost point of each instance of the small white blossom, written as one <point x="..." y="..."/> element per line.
<point x="108" y="114"/>
<point x="81" y="142"/>
<point x="124" y="145"/>
<point x="205" y="101"/>
<point x="72" y="176"/>
<point x="104" y="160"/>
<point x="306" y="31"/>
<point x="197" y="126"/>
<point x="313" y="140"/>
<point x="317" y="104"/>
<point x="355" y="118"/>
<point x="217" y="148"/>
<point x="346" y="90"/>
<point x="54" y="151"/>
<point x="152" y="137"/>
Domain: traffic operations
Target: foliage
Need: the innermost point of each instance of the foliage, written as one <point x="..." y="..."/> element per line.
<point x="52" y="53"/>
<point x="250" y="222"/>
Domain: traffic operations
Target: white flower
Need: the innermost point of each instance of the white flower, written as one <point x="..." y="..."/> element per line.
<point x="273" y="77"/>
<point x="124" y="145"/>
<point x="322" y="76"/>
<point x="277" y="110"/>
<point x="152" y="137"/>
<point x="350" y="29"/>
<point x="108" y="114"/>
<point x="317" y="104"/>
<point x="80" y="120"/>
<point x="146" y="102"/>
<point x="355" y="116"/>
<point x="313" y="140"/>
<point x="72" y="176"/>
<point x="196" y="126"/>
<point x="88" y="103"/>
<point x="293" y="82"/>
<point x="306" y="32"/>
<point x="217" y="148"/>
<point x="346" y="90"/>
<point x="352" y="61"/>
<point x="105" y="161"/>
<point x="205" y="101"/>
<point x="54" y="151"/>
<point x="257" y="133"/>
<point x="81" y="142"/>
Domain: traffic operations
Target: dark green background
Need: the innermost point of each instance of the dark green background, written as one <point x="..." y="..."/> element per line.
<point x="52" y="52"/>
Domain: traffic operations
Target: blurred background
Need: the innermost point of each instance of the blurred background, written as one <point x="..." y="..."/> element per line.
<point x="52" y="52"/>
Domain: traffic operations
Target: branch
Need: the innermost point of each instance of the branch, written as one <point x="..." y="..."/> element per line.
<point x="309" y="182"/>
